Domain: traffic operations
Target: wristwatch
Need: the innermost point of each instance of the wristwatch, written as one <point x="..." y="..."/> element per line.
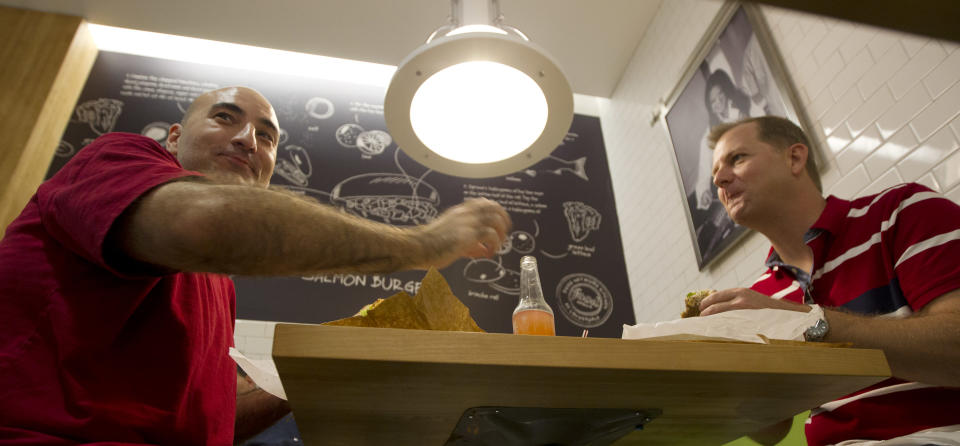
<point x="817" y="331"/>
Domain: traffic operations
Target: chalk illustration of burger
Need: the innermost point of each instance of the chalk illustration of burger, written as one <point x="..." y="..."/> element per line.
<point x="391" y="198"/>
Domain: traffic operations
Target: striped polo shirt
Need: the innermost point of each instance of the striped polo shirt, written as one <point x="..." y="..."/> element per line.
<point x="888" y="255"/>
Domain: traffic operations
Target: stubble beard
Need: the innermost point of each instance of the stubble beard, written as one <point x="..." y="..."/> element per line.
<point x="227" y="178"/>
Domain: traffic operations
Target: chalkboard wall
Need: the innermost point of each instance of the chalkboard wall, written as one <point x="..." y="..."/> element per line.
<point x="335" y="147"/>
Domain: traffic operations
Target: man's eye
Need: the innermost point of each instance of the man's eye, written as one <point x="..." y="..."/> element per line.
<point x="267" y="136"/>
<point x="224" y="116"/>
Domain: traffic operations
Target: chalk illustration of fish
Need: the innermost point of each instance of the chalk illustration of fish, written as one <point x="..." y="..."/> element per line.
<point x="558" y="166"/>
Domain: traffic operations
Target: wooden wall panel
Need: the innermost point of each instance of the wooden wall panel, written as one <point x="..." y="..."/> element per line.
<point x="46" y="58"/>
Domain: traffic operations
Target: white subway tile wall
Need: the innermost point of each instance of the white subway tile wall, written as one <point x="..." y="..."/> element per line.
<point x="905" y="109"/>
<point x="254" y="338"/>
<point x="887" y="64"/>
<point x="854" y="153"/>
<point x="884" y="103"/>
<point x="894" y="148"/>
<point x="928" y="180"/>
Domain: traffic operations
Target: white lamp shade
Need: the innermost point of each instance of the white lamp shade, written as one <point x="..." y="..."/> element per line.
<point x="524" y="93"/>
<point x="453" y="109"/>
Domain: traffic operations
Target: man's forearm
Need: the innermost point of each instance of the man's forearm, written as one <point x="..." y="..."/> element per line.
<point x="923" y="348"/>
<point x="249" y="231"/>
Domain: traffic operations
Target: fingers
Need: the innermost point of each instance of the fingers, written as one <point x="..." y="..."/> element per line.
<point x="723" y="300"/>
<point x="491" y="239"/>
<point x="742" y="299"/>
<point x="712" y="298"/>
<point x="493" y="215"/>
<point x="483" y="245"/>
<point x="475" y="228"/>
<point x="479" y="250"/>
<point x="707" y="305"/>
<point x="719" y="307"/>
<point x="704" y="200"/>
<point x="491" y="226"/>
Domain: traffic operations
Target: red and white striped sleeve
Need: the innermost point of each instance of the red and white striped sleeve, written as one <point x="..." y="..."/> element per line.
<point x="922" y="240"/>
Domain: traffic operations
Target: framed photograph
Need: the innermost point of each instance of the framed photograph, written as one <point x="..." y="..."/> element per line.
<point x="735" y="73"/>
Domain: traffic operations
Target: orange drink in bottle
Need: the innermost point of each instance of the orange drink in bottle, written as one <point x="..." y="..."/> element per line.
<point x="532" y="316"/>
<point x="533" y="322"/>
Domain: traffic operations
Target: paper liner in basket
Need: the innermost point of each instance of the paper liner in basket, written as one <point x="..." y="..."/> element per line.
<point x="738" y="325"/>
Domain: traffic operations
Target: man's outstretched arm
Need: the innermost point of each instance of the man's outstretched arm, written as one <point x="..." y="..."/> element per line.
<point x="923" y="347"/>
<point x="202" y="227"/>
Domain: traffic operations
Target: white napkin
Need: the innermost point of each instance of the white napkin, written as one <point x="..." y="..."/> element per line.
<point x="263" y="372"/>
<point x="738" y="325"/>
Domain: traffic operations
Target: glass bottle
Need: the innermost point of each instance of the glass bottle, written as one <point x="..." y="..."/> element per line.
<point x="532" y="316"/>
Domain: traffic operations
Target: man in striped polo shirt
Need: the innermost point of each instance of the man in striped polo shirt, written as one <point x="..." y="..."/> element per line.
<point x="885" y="270"/>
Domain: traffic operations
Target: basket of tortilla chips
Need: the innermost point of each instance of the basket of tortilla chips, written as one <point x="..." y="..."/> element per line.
<point x="433" y="308"/>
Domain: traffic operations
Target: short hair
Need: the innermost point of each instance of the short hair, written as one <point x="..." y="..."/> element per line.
<point x="776" y="131"/>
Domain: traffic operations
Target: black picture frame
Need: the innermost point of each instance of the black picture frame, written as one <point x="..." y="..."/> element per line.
<point x="735" y="72"/>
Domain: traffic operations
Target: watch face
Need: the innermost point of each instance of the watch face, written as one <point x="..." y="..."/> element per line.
<point x="817" y="332"/>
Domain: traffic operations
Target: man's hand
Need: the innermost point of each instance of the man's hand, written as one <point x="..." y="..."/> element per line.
<point x="256" y="409"/>
<point x="475" y="228"/>
<point x="744" y="299"/>
<point x="706" y="199"/>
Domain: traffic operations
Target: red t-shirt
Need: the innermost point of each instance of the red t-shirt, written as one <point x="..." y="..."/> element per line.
<point x="89" y="354"/>
<point x="886" y="254"/>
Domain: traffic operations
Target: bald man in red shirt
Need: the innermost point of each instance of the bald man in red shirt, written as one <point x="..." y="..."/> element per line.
<point x="115" y="305"/>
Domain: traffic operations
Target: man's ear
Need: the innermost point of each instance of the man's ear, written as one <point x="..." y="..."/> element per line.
<point x="173" y="138"/>
<point x="798" y="158"/>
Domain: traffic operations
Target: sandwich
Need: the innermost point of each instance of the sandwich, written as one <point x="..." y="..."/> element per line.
<point x="693" y="302"/>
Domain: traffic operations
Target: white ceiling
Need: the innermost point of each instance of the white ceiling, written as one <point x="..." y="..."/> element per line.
<point x="592" y="40"/>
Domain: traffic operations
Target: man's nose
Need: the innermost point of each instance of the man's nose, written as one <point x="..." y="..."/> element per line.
<point x="721" y="177"/>
<point x="246" y="137"/>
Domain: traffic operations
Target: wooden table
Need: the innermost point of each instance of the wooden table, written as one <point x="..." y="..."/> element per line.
<point x="381" y="386"/>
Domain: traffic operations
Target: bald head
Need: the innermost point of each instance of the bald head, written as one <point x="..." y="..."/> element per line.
<point x="208" y="98"/>
<point x="229" y="134"/>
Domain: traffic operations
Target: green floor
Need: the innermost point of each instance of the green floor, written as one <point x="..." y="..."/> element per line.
<point x="794" y="438"/>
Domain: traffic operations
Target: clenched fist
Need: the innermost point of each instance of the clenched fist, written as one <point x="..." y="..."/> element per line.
<point x="475" y="228"/>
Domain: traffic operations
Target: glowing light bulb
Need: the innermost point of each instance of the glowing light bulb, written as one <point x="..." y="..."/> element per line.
<point x="478" y="112"/>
